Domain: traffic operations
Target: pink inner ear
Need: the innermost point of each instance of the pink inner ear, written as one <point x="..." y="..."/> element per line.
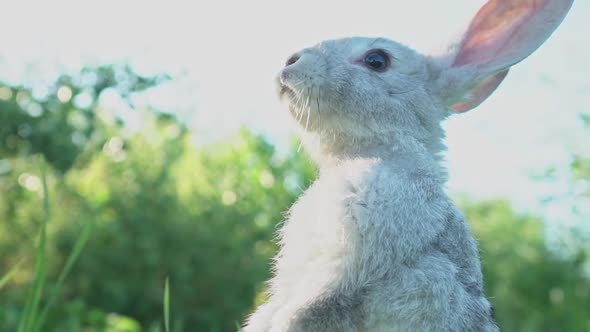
<point x="483" y="90"/>
<point x="491" y="29"/>
<point x="505" y="32"/>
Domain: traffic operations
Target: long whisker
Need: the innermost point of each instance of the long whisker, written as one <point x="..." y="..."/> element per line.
<point x="319" y="118"/>
<point x="309" y="96"/>
<point x="307" y="121"/>
<point x="308" y="114"/>
<point x="304" y="106"/>
<point x="298" y="102"/>
<point x="298" y="97"/>
<point x="299" y="121"/>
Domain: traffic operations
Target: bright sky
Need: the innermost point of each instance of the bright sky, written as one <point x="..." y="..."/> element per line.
<point x="229" y="52"/>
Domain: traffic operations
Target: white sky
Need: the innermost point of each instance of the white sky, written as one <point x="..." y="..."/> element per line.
<point x="230" y="51"/>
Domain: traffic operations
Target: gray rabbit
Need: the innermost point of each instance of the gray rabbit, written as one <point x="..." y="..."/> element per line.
<point x="375" y="244"/>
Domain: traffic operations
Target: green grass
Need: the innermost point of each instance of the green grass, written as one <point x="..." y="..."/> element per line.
<point x="78" y="246"/>
<point x="167" y="306"/>
<point x="34" y="316"/>
<point x="31" y="311"/>
<point x="6" y="278"/>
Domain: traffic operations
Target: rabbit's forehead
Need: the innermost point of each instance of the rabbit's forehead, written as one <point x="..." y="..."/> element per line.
<point x="360" y="45"/>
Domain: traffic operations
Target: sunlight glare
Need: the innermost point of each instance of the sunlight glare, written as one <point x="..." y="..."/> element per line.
<point x="64" y="94"/>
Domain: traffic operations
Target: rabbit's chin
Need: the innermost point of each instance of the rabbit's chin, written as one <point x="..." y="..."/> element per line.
<point x="286" y="94"/>
<point x="306" y="109"/>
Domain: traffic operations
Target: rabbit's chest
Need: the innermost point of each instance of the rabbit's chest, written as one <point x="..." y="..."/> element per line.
<point x="323" y="218"/>
<point x="322" y="230"/>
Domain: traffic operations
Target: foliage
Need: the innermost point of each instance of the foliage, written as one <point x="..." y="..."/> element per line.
<point x="203" y="216"/>
<point x="530" y="287"/>
<point x="31" y="116"/>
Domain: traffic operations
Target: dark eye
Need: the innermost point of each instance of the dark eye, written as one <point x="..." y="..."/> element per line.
<point x="377" y="60"/>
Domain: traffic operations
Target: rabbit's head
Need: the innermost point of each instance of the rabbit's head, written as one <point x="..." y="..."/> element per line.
<point x="360" y="93"/>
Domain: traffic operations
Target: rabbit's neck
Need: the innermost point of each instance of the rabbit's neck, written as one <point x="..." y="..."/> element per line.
<point x="397" y="149"/>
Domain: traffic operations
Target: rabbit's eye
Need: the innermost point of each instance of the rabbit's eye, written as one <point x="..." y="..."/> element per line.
<point x="377" y="60"/>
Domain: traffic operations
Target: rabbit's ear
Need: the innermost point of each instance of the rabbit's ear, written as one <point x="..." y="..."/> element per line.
<point x="482" y="90"/>
<point x="503" y="33"/>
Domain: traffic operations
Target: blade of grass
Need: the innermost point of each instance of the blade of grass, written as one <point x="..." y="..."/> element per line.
<point x="6" y="278"/>
<point x="167" y="306"/>
<point x="56" y="289"/>
<point x="31" y="310"/>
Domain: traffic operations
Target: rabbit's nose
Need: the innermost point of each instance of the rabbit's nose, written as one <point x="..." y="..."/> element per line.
<point x="292" y="59"/>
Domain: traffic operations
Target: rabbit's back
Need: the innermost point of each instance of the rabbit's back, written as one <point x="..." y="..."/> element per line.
<point x="441" y="290"/>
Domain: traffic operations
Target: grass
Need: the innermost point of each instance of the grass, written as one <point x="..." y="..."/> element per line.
<point x="78" y="246"/>
<point x="167" y="306"/>
<point x="30" y="318"/>
<point x="34" y="316"/>
<point x="34" y="313"/>
<point x="6" y="278"/>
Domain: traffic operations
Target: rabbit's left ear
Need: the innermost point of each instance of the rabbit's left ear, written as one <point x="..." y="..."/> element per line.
<point x="503" y="33"/>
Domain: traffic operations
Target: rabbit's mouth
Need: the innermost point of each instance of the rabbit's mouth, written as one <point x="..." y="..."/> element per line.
<point x="297" y="97"/>
<point x="286" y="91"/>
<point x="299" y="84"/>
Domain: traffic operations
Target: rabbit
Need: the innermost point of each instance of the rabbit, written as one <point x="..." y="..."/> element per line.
<point x="375" y="244"/>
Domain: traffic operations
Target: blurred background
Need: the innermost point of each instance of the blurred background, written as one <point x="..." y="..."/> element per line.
<point x="161" y="129"/>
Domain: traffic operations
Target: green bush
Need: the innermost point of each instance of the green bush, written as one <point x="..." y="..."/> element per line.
<point x="531" y="287"/>
<point x="202" y="217"/>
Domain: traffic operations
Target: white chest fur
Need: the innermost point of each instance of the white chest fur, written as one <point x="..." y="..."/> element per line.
<point x="320" y="234"/>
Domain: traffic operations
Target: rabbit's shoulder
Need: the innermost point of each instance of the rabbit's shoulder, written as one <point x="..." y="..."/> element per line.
<point x="375" y="182"/>
<point x="398" y="182"/>
<point x="397" y="197"/>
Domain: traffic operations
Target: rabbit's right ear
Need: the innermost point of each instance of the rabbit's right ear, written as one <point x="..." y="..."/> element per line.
<point x="503" y="33"/>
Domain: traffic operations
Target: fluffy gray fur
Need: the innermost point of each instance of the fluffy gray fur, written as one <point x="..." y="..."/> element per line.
<point x="375" y="244"/>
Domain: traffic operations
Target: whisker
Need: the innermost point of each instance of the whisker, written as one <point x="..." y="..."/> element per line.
<point x="307" y="121"/>
<point x="319" y="118"/>
<point x="299" y="109"/>
<point x="297" y="102"/>
<point x="304" y="106"/>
